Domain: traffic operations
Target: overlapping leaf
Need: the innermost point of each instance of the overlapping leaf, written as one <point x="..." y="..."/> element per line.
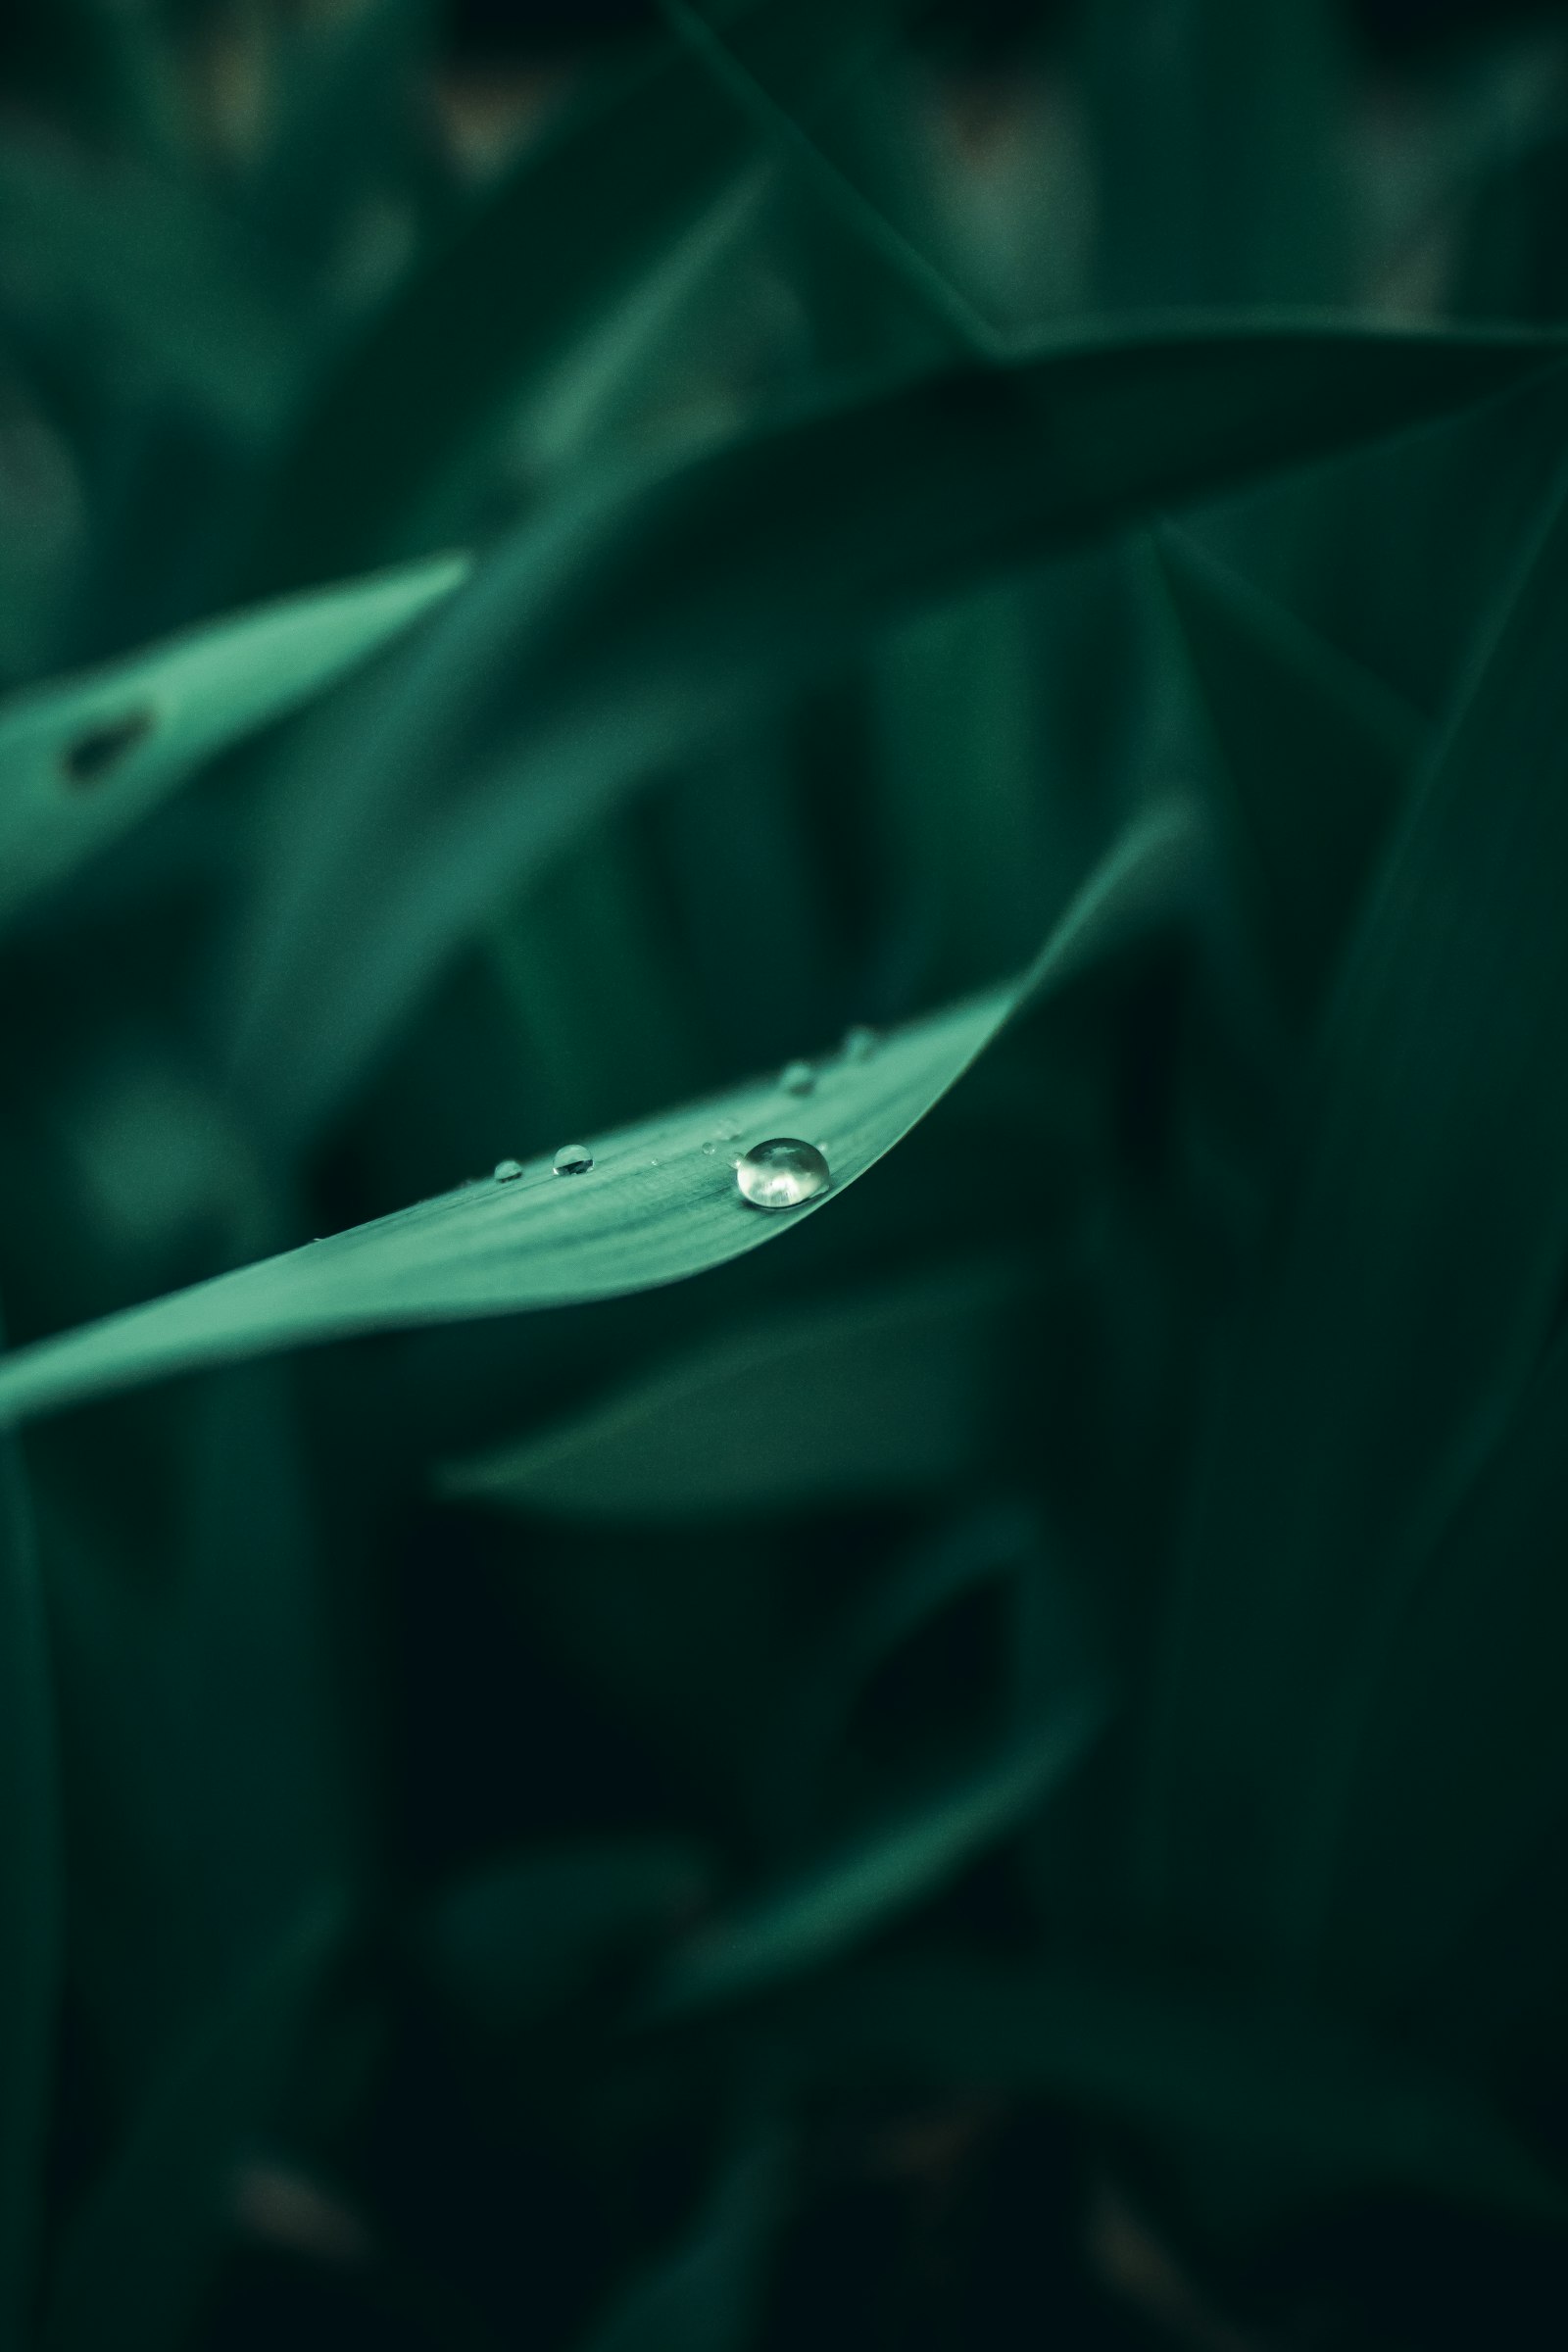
<point x="1399" y="1317"/>
<point x="634" y="621"/>
<point x="890" y="1394"/>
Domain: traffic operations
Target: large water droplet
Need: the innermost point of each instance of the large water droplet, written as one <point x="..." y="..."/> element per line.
<point x="860" y="1043"/>
<point x="782" y="1173"/>
<point x="508" y="1170"/>
<point x="796" y="1078"/>
<point x="573" y="1159"/>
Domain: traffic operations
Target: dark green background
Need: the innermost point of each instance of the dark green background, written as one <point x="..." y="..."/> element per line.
<point x="994" y="1772"/>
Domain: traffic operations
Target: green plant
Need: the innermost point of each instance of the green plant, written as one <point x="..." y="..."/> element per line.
<point x="994" y="1765"/>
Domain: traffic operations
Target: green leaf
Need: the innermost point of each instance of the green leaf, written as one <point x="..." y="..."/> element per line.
<point x="136" y="2259"/>
<point x="1282" y="2087"/>
<point x="1454" y="1739"/>
<point x="147" y="282"/>
<point x="1222" y="163"/>
<point x="83" y="758"/>
<point x="841" y="1897"/>
<point x="590" y="206"/>
<point x="879" y="1395"/>
<point x="704" y="2295"/>
<point x="1400" y="1310"/>
<point x="655" y="1207"/>
<point x="635" y="621"/>
<point x="1318" y="754"/>
<point x="514" y="1941"/>
<point x="30" y="1899"/>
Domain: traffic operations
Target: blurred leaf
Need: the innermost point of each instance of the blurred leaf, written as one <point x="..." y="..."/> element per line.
<point x="590" y="206"/>
<point x="31" y="1925"/>
<point x="1318" y="754"/>
<point x="83" y="758"/>
<point x="703" y="2297"/>
<point x="516" y="1939"/>
<point x="878" y="1395"/>
<point x="1220" y="129"/>
<point x="207" y="1754"/>
<point x="1283" y="2088"/>
<point x="1400" y="1309"/>
<point x="655" y="1207"/>
<point x="346" y="103"/>
<point x="841" y="1896"/>
<point x="136" y="2261"/>
<point x="147" y="280"/>
<point x="632" y="623"/>
<point x="1456" y="1738"/>
<point x="1049" y="1661"/>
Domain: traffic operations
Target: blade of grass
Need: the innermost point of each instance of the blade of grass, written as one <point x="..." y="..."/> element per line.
<point x="136" y="2259"/>
<point x="1455" y="1744"/>
<point x="1399" y="1314"/>
<point x="83" y="758"/>
<point x="30" y="1899"/>
<point x="864" y="1396"/>
<point x="654" y="1209"/>
<point x="589" y="207"/>
<point x="837" y="1900"/>
<point x="629" y="625"/>
<point x="1318" y="754"/>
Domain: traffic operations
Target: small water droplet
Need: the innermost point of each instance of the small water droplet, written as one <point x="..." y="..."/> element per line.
<point x="709" y="1148"/>
<point x="573" y="1159"/>
<point x="796" y="1078"/>
<point x="782" y="1173"/>
<point x="860" y="1043"/>
<point x="508" y="1170"/>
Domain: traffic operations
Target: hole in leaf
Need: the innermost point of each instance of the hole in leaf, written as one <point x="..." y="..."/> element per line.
<point x="98" y="752"/>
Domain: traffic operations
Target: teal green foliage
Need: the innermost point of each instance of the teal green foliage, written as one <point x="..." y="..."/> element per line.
<point x="984" y="589"/>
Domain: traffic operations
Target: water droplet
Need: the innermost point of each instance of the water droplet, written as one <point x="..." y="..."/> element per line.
<point x="796" y="1078"/>
<point x="782" y="1173"/>
<point x="573" y="1159"/>
<point x="860" y="1043"/>
<point x="709" y="1148"/>
<point x="508" y="1170"/>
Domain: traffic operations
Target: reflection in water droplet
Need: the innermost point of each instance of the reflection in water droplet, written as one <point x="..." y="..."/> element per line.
<point x="573" y="1159"/>
<point x="860" y="1044"/>
<point x="508" y="1170"/>
<point x="782" y="1173"/>
<point x="796" y="1078"/>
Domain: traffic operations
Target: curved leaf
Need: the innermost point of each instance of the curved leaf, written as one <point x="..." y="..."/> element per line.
<point x="655" y="1206"/>
<point x="879" y="1395"/>
<point x="587" y="208"/>
<point x="83" y="758"/>
<point x="836" y="1900"/>
<point x="632" y="622"/>
<point x="31" y="1895"/>
<point x="1401" y="1309"/>
<point x="136" y="2261"/>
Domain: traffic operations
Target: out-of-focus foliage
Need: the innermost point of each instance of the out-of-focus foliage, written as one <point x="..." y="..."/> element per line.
<point x="984" y="587"/>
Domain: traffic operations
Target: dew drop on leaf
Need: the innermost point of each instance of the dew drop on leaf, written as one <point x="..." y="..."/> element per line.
<point x="796" y="1078"/>
<point x="573" y="1159"/>
<point x="782" y="1173"/>
<point x="508" y="1170"/>
<point x="860" y="1044"/>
